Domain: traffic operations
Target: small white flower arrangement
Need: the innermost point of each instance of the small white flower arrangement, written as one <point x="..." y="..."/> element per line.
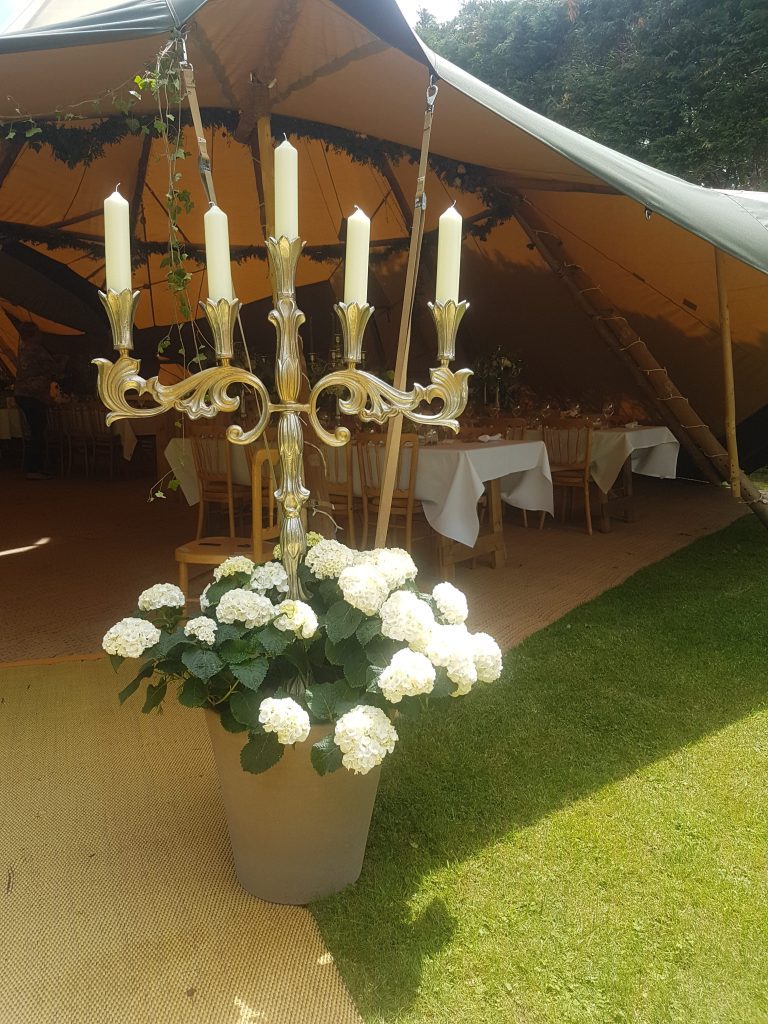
<point x="362" y="645"/>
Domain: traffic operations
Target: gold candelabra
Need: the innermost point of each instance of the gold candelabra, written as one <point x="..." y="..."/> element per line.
<point x="206" y="393"/>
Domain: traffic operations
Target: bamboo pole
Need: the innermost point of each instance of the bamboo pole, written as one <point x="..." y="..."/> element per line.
<point x="694" y="435"/>
<point x="395" y="426"/>
<point x="729" y="392"/>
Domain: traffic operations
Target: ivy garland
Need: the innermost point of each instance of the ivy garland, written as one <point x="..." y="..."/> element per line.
<point x="76" y="146"/>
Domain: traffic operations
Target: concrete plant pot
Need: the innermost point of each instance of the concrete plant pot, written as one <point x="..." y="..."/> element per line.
<point x="296" y="836"/>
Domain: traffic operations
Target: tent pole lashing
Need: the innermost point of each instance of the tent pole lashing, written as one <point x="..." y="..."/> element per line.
<point x="694" y="435"/>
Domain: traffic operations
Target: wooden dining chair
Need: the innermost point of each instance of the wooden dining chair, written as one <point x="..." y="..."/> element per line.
<point x="370" y="454"/>
<point x="212" y="456"/>
<point x="569" y="448"/>
<point x="339" y="469"/>
<point x="265" y="525"/>
<point x="515" y="428"/>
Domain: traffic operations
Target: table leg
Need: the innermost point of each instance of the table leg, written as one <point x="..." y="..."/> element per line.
<point x="629" y="506"/>
<point x="605" y="514"/>
<point x="497" y="523"/>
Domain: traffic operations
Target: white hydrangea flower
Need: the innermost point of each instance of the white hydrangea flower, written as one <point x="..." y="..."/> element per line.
<point x="244" y="606"/>
<point x="407" y="675"/>
<point x="285" y="717"/>
<point x="204" y="597"/>
<point x="268" y="576"/>
<point x="327" y="558"/>
<point x="451" y="603"/>
<point x="451" y="648"/>
<point x="162" y="595"/>
<point x="364" y="587"/>
<point x="237" y="563"/>
<point x="201" y="628"/>
<point x="404" y="616"/>
<point x="313" y="537"/>
<point x="298" y="617"/>
<point x="365" y="736"/>
<point x="129" y="638"/>
<point x="487" y="654"/>
<point x="396" y="564"/>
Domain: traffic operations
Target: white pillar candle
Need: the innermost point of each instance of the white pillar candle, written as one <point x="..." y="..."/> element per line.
<point x="217" y="258"/>
<point x="448" y="256"/>
<point x="286" y="191"/>
<point x="117" y="242"/>
<point x="356" y="258"/>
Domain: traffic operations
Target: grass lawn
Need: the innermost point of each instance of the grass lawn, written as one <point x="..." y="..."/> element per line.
<point x="586" y="840"/>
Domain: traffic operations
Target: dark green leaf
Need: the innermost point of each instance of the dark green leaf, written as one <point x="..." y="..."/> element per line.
<point x="342" y="620"/>
<point x="234" y="651"/>
<point x="229" y="722"/>
<point x="245" y="708"/>
<point x="202" y="664"/>
<point x="443" y="686"/>
<point x="325" y="755"/>
<point x="250" y="673"/>
<point x="328" y="701"/>
<point x="116" y="661"/>
<point x="193" y="693"/>
<point x="329" y="592"/>
<point x="155" y="696"/>
<point x="261" y="752"/>
<point x="274" y="640"/>
<point x="144" y="673"/>
<point x="229" y="631"/>
<point x="380" y="650"/>
<point x="372" y="678"/>
<point x="368" y="629"/>
<point x="167" y="642"/>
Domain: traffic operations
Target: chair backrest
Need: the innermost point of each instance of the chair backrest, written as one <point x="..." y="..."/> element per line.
<point x="97" y="424"/>
<point x="265" y="521"/>
<point x="370" y="453"/>
<point x="515" y="428"/>
<point x="338" y="468"/>
<point x="568" y="442"/>
<point x="212" y="456"/>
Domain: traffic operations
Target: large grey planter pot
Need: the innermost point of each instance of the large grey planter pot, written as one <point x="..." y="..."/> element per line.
<point x="296" y="836"/>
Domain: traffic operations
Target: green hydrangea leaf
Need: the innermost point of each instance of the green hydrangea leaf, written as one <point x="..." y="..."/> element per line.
<point x="342" y="620"/>
<point x="245" y="708"/>
<point x="144" y="673"/>
<point x="261" y="752"/>
<point x="193" y="693"/>
<point x="274" y="640"/>
<point x="250" y="673"/>
<point x="381" y="649"/>
<point x="155" y="696"/>
<point x="229" y="722"/>
<point x="234" y="651"/>
<point x="326" y="755"/>
<point x="368" y="629"/>
<point x="203" y="664"/>
<point x="330" y="701"/>
<point x="116" y="661"/>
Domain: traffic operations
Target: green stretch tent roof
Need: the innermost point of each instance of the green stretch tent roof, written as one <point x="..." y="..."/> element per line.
<point x="357" y="65"/>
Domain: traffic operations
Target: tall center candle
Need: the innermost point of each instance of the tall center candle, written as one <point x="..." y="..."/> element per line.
<point x="448" y="256"/>
<point x="217" y="257"/>
<point x="286" y="191"/>
<point x="356" y="258"/>
<point x="117" y="242"/>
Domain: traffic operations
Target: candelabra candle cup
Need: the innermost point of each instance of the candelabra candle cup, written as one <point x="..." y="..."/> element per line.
<point x="121" y="310"/>
<point x="447" y="317"/>
<point x="222" y="317"/>
<point x="353" y="317"/>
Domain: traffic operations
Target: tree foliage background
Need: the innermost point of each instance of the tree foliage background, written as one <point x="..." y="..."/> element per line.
<point x="679" y="84"/>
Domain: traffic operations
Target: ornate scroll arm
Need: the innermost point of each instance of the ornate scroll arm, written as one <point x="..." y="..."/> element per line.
<point x="204" y="394"/>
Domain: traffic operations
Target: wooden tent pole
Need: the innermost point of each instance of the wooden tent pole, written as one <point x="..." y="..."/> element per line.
<point x="395" y="426"/>
<point x="613" y="328"/>
<point x="729" y="392"/>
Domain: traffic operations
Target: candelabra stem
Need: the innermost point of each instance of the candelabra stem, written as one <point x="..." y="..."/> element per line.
<point x="287" y="318"/>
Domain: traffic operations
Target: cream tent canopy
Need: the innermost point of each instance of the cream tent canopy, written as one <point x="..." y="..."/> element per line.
<point x="640" y="242"/>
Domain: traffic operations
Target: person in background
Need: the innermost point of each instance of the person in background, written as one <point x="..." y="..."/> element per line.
<point x="36" y="370"/>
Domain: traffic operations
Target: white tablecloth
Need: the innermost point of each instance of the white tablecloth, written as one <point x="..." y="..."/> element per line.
<point x="653" y="451"/>
<point x="449" y="481"/>
<point x="10" y="424"/>
<point x="451" y="478"/>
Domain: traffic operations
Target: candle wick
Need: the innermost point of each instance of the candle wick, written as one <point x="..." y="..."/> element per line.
<point x="117" y="187"/>
<point x="285" y="137"/>
<point x="453" y="207"/>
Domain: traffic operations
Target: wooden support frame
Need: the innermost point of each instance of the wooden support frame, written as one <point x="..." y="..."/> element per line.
<point x="694" y="435"/>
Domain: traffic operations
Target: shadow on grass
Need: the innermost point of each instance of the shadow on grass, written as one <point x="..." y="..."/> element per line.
<point x="672" y="655"/>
